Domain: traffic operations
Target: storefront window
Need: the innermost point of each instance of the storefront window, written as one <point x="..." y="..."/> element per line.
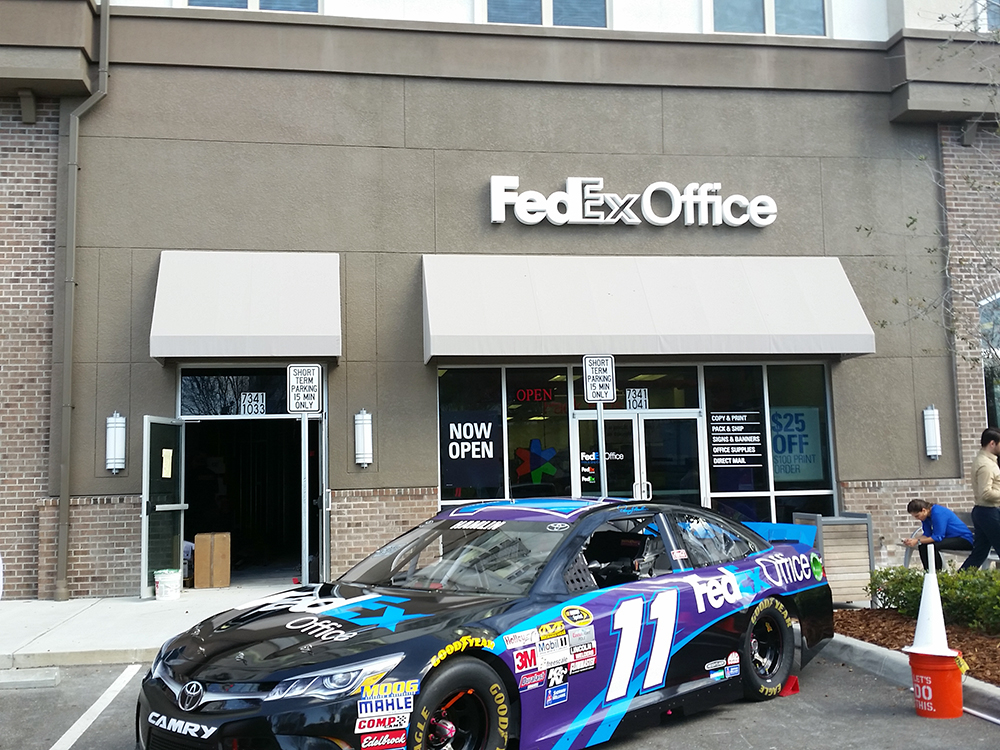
<point x="786" y="505"/>
<point x="642" y="388"/>
<point x="471" y="433"/>
<point x="735" y="404"/>
<point x="538" y="432"/>
<point x="800" y="449"/>
<point x="744" y="508"/>
<point x="243" y="391"/>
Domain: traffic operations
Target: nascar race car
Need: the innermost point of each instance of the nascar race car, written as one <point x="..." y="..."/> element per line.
<point x="528" y="623"/>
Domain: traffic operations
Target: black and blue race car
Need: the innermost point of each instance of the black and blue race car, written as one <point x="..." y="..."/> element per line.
<point x="522" y="624"/>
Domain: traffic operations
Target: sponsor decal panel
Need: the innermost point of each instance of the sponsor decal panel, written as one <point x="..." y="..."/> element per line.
<point x="395" y="738"/>
<point x="586" y="651"/>
<point x="578" y="636"/>
<point x="531" y="680"/>
<point x="180" y="726"/>
<point x="717" y="664"/>
<point x="556" y="695"/>
<point x="393" y="704"/>
<point x="521" y="638"/>
<point x="733" y="670"/>
<point x="392" y="688"/>
<point x="733" y="658"/>
<point x="525" y="659"/>
<point x="551" y="630"/>
<point x="582" y="665"/>
<point x="579" y="616"/>
<point x="377" y="723"/>
<point x="717" y="674"/>
<point x="556" y="676"/>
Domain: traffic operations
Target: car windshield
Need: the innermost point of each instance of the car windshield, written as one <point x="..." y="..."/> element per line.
<point x="491" y="557"/>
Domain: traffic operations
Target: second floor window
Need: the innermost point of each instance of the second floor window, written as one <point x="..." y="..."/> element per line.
<point x="791" y="17"/>
<point x="592" y="13"/>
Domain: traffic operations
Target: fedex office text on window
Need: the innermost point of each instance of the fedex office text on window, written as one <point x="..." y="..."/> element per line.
<point x="584" y="202"/>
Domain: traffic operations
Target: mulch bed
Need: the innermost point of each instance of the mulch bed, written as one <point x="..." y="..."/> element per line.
<point x="889" y="629"/>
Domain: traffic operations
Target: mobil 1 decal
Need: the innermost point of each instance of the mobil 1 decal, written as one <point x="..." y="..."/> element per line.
<point x="471" y="449"/>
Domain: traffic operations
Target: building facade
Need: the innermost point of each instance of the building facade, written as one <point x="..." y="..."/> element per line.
<point x="337" y="271"/>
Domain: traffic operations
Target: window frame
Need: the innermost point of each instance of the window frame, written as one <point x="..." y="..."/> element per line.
<point x="481" y="16"/>
<point x="708" y="9"/>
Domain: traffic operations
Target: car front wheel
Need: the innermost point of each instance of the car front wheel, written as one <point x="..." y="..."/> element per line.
<point x="768" y="650"/>
<point x="463" y="705"/>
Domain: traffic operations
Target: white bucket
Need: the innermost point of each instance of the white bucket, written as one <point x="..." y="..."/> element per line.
<point x="168" y="583"/>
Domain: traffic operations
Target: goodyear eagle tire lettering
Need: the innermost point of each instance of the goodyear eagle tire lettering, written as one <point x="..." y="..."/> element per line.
<point x="464" y="696"/>
<point x="767" y="650"/>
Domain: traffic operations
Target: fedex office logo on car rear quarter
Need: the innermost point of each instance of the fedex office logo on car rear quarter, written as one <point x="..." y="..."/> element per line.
<point x="782" y="570"/>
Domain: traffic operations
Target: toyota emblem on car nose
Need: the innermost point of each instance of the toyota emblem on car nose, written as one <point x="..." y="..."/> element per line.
<point x="191" y="695"/>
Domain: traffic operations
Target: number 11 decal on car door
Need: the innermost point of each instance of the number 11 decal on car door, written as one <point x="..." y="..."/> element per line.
<point x="628" y="622"/>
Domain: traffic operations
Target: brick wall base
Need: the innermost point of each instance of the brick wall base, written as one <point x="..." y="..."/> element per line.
<point x="886" y="502"/>
<point x="104" y="546"/>
<point x="362" y="520"/>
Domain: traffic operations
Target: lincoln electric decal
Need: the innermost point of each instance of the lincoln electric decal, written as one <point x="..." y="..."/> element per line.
<point x="584" y="201"/>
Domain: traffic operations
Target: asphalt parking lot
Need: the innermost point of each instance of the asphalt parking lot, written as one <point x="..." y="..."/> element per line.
<point x="838" y="706"/>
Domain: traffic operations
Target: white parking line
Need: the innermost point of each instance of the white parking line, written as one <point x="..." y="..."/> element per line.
<point x="83" y="723"/>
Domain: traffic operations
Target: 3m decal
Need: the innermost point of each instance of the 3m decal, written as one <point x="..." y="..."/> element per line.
<point x="578" y="616"/>
<point x="531" y="681"/>
<point x="456" y="647"/>
<point x="525" y="659"/>
<point x="384" y="739"/>
<point x="385" y="706"/>
<point x="521" y="638"/>
<point x="374" y="723"/>
<point x="180" y="726"/>
<point x="556" y="695"/>
<point x="733" y="670"/>
<point x="551" y="630"/>
<point x="628" y="622"/>
<point x="398" y="687"/>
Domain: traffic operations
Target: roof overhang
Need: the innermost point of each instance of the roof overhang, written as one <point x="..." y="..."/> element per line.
<point x="212" y="304"/>
<point x="545" y="305"/>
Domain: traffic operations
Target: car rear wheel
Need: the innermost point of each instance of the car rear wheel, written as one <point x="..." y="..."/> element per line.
<point x="463" y="705"/>
<point x="768" y="650"/>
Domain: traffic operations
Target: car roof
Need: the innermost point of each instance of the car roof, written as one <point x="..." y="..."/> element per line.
<point x="566" y="509"/>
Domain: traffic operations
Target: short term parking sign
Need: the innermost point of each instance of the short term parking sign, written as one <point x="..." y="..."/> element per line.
<point x="304" y="389"/>
<point x="599" y="379"/>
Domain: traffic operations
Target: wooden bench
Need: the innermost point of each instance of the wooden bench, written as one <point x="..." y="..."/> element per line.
<point x="962" y="554"/>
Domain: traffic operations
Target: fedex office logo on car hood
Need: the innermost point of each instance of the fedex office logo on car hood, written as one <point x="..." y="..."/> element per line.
<point x="660" y="203"/>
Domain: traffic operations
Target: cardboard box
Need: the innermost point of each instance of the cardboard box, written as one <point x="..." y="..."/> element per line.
<point x="211" y="560"/>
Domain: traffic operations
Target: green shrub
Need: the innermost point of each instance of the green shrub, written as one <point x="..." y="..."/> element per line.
<point x="969" y="597"/>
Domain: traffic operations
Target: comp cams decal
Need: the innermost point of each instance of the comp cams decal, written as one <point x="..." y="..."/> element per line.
<point x="180" y="726"/>
<point x="396" y="738"/>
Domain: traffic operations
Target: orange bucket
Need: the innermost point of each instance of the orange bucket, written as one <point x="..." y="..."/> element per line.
<point x="937" y="686"/>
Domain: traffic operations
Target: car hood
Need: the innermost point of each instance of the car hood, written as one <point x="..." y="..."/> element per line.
<point x="311" y="627"/>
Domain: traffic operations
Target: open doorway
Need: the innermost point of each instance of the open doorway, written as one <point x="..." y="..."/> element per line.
<point x="243" y="476"/>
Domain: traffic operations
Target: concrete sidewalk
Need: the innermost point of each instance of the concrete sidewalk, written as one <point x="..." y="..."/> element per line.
<point x="37" y="634"/>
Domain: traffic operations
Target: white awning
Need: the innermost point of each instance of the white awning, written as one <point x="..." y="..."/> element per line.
<point x="512" y="306"/>
<point x="246" y="304"/>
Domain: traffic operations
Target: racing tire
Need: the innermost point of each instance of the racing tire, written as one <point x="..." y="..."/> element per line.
<point x="463" y="705"/>
<point x="768" y="650"/>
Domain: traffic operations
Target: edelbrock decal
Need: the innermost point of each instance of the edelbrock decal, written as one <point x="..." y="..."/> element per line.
<point x="375" y="723"/>
<point x="180" y="726"/>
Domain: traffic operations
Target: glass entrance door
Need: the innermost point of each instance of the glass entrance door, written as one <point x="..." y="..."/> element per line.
<point x="162" y="498"/>
<point x="649" y="457"/>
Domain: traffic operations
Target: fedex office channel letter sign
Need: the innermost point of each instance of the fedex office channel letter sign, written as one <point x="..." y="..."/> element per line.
<point x="584" y="202"/>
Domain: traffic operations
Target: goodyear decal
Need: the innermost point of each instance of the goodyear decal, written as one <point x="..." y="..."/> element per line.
<point x="457" y="647"/>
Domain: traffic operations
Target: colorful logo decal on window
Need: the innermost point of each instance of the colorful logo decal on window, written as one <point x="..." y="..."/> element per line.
<point x="535" y="461"/>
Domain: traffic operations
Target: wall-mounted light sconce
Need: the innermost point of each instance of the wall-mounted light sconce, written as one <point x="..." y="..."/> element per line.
<point x="363" y="451"/>
<point x="114" y="448"/>
<point x="932" y="432"/>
